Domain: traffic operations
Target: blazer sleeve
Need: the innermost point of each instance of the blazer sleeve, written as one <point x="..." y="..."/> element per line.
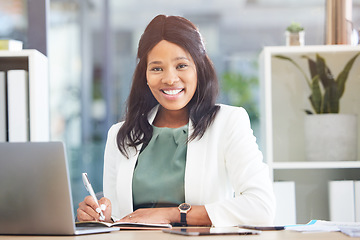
<point x="253" y="201"/>
<point x="110" y="167"/>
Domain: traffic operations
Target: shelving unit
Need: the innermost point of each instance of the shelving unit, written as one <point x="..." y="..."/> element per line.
<point x="315" y="165"/>
<point x="36" y="65"/>
<point x="284" y="96"/>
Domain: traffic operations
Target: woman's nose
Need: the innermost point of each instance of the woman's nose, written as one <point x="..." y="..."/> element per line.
<point x="170" y="77"/>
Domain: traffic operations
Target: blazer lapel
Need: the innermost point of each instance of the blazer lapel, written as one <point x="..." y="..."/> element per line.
<point x="195" y="168"/>
<point x="126" y="171"/>
<point x="124" y="182"/>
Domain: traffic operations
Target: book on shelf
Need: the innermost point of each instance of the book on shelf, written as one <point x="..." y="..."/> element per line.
<point x="11" y="45"/>
<point x="3" y="117"/>
<point x="285" y="197"/>
<point x="344" y="200"/>
<point x="17" y="106"/>
<point x="125" y="225"/>
<point x="357" y="200"/>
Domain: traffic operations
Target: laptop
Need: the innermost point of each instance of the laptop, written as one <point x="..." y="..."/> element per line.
<point x="35" y="193"/>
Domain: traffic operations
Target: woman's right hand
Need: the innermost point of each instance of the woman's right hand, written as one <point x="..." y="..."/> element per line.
<point x="90" y="211"/>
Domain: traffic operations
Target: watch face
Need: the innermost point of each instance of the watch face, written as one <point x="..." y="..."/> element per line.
<point x="184" y="206"/>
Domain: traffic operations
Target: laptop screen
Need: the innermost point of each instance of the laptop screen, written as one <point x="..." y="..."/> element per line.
<point x="35" y="196"/>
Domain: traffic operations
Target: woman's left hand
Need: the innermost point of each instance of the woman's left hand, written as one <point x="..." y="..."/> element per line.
<point x="153" y="215"/>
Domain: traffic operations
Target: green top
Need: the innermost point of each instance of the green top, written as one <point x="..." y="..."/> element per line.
<point x="159" y="173"/>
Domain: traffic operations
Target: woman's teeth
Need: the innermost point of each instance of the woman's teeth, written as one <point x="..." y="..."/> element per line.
<point x="172" y="92"/>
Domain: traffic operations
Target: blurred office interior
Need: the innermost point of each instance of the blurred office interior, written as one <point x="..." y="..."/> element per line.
<point x="91" y="46"/>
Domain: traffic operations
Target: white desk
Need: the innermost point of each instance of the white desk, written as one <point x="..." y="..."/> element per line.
<point x="158" y="235"/>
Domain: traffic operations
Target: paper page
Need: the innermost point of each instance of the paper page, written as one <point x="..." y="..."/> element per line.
<point x="322" y="226"/>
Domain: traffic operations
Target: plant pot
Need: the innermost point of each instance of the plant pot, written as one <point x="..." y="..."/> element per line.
<point x="331" y="137"/>
<point x="295" y="39"/>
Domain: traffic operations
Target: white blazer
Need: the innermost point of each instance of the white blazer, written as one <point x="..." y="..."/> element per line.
<point x="224" y="171"/>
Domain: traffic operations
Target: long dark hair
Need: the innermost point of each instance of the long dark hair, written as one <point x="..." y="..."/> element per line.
<point x="202" y="109"/>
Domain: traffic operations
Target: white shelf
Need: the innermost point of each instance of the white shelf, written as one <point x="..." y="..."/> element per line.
<point x="36" y="64"/>
<point x="309" y="49"/>
<point x="283" y="98"/>
<point x="316" y="165"/>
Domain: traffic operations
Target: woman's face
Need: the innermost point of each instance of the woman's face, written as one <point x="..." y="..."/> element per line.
<point x="171" y="75"/>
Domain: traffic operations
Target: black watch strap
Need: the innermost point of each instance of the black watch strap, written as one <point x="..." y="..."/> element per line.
<point x="183" y="218"/>
<point x="184" y="209"/>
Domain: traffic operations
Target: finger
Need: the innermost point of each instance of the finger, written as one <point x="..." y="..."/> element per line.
<point x="132" y="217"/>
<point x="90" y="201"/>
<point x="105" y="206"/>
<point x="104" y="203"/>
<point x="83" y="216"/>
<point x="89" y="210"/>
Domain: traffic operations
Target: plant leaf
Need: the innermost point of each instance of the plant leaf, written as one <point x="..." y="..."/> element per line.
<point x="325" y="105"/>
<point x="312" y="66"/>
<point x="342" y="77"/>
<point x="315" y="97"/>
<point x="324" y="72"/>
<point x="297" y="66"/>
<point x="331" y="100"/>
<point x="334" y="99"/>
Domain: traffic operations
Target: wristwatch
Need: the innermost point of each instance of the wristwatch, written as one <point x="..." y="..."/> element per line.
<point x="184" y="209"/>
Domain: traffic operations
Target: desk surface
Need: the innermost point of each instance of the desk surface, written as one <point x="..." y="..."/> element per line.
<point x="158" y="235"/>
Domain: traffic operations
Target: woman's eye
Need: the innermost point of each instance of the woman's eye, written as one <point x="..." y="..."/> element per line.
<point x="182" y="66"/>
<point x="156" y="69"/>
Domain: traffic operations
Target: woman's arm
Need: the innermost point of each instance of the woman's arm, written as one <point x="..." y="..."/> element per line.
<point x="196" y="216"/>
<point x="253" y="201"/>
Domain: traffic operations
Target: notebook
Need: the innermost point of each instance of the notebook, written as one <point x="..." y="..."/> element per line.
<point x="35" y="193"/>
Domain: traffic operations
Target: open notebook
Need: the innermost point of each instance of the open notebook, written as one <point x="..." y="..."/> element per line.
<point x="35" y="193"/>
<point x="126" y="225"/>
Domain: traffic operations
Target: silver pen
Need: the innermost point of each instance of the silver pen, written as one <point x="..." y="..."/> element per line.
<point x="89" y="188"/>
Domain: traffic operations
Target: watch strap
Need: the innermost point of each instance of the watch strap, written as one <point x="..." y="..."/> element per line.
<point x="183" y="218"/>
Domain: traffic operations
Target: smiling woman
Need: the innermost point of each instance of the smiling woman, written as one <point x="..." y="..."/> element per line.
<point x="176" y="145"/>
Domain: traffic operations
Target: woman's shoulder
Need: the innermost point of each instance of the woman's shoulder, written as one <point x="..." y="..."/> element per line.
<point x="114" y="129"/>
<point x="232" y="115"/>
<point x="227" y="110"/>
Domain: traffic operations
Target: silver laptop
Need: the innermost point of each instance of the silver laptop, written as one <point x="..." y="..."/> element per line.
<point x="35" y="193"/>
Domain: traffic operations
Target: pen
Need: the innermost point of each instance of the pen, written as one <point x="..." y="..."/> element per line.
<point x="89" y="188"/>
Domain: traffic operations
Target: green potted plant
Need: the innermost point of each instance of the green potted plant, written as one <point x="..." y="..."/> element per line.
<point x="329" y="136"/>
<point x="295" y="27"/>
<point x="326" y="91"/>
<point x="295" y="35"/>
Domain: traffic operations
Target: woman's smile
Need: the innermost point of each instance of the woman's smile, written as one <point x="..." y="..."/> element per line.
<point x="172" y="91"/>
<point x="173" y="94"/>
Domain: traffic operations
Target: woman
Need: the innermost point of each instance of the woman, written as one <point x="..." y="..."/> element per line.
<point x="176" y="145"/>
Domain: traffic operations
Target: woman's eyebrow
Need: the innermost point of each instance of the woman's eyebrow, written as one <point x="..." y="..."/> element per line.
<point x="154" y="62"/>
<point x="181" y="58"/>
<point x="174" y="60"/>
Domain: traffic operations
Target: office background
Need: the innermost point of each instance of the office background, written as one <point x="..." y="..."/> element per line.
<point x="91" y="46"/>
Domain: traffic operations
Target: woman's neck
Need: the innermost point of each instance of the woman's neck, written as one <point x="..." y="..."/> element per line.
<point x="171" y="118"/>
